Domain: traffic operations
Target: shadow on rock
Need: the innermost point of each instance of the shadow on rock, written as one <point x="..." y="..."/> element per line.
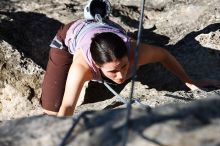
<point x="180" y="118"/>
<point x="200" y="62"/>
<point x="149" y="37"/>
<point x="31" y="33"/>
<point x="122" y="11"/>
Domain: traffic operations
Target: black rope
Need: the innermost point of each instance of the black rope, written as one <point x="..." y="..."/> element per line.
<point x="136" y="53"/>
<point x="75" y="122"/>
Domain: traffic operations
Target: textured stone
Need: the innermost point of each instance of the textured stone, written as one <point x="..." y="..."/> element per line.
<point x="188" y="29"/>
<point x="194" y="124"/>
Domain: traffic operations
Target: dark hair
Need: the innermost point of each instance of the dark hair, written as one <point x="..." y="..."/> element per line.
<point x="107" y="47"/>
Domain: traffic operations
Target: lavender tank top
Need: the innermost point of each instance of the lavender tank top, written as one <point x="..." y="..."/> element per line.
<point x="85" y="40"/>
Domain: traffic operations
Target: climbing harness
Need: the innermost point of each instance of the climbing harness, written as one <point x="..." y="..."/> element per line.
<point x="89" y="13"/>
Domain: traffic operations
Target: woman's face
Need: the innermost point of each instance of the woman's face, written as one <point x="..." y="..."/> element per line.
<point x="116" y="70"/>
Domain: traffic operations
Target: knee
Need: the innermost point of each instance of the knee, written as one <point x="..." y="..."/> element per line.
<point x="51" y="113"/>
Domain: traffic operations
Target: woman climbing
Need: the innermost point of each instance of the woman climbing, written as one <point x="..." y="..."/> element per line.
<point x="95" y="49"/>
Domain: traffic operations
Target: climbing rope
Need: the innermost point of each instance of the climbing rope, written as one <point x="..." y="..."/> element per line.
<point x="75" y="122"/>
<point x="128" y="103"/>
<point x="123" y="100"/>
<point x="136" y="54"/>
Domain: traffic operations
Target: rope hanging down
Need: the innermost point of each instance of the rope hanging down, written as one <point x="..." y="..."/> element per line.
<point x="136" y="55"/>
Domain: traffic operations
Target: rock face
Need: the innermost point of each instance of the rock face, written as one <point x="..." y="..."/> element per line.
<point x="189" y="29"/>
<point x="194" y="124"/>
<point x="20" y="84"/>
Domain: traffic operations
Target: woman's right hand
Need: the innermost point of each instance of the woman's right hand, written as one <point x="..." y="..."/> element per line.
<point x="192" y="86"/>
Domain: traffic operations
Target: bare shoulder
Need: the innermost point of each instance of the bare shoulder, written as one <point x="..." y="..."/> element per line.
<point x="147" y="53"/>
<point x="145" y="49"/>
<point x="80" y="66"/>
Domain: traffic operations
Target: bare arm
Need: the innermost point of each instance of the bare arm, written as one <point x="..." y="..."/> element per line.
<point x="151" y="54"/>
<point x="77" y="76"/>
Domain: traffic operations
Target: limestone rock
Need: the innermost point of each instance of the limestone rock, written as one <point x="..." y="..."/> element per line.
<point x="189" y="29"/>
<point x="193" y="124"/>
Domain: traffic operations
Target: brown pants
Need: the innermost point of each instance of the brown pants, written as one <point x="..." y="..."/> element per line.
<point x="56" y="74"/>
<point x="55" y="79"/>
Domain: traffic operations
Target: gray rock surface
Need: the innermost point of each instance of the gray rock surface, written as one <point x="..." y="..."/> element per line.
<point x="193" y="124"/>
<point x="189" y="29"/>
